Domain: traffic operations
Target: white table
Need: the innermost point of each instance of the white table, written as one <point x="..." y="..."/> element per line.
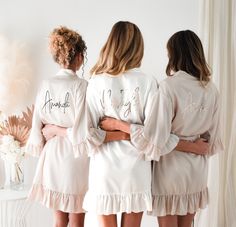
<point x="14" y="207"/>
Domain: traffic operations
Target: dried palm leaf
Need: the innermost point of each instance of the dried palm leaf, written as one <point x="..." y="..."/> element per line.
<point x="18" y="127"/>
<point x="27" y="117"/>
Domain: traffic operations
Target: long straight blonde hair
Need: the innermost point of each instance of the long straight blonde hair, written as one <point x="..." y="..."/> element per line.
<point x="122" y="51"/>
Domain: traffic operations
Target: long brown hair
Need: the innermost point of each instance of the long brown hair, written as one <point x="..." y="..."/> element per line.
<point x="122" y="51"/>
<point x="186" y="53"/>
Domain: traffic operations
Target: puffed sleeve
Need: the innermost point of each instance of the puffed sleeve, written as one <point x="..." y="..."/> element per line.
<point x="215" y="130"/>
<point x="96" y="136"/>
<point x="154" y="138"/>
<point x="35" y="143"/>
<point x="77" y="133"/>
<point x="86" y="136"/>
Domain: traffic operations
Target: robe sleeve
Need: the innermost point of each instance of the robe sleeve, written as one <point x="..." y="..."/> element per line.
<point x="77" y="133"/>
<point x="36" y="141"/>
<point x="96" y="136"/>
<point x="154" y="138"/>
<point x="215" y="130"/>
<point x="85" y="135"/>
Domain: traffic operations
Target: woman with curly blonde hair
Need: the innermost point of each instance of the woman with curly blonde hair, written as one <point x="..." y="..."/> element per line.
<point x="60" y="181"/>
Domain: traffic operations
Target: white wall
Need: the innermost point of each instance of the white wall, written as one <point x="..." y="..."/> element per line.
<point x="31" y="22"/>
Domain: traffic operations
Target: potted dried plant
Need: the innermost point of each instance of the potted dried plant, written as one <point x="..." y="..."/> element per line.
<point x="14" y="132"/>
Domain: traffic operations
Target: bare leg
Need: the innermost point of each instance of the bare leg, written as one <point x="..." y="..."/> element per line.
<point x="107" y="220"/>
<point x="61" y="219"/>
<point x="168" y="221"/>
<point x="185" y="220"/>
<point x="131" y="220"/>
<point x="76" y="220"/>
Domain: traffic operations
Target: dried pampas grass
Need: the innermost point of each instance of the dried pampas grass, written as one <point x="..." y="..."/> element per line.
<point x="15" y="76"/>
<point x="18" y="127"/>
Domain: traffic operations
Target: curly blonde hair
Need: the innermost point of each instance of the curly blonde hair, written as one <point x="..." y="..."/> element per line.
<point x="65" y="44"/>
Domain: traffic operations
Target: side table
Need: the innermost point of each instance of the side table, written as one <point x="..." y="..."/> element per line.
<point x="14" y="207"/>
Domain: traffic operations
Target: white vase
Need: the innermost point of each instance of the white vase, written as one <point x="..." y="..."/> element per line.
<point x="14" y="175"/>
<point x="17" y="176"/>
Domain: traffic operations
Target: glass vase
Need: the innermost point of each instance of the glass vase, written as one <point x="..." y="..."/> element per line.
<point x="17" y="176"/>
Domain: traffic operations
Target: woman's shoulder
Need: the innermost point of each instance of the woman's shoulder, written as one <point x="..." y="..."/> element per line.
<point x="172" y="84"/>
<point x="96" y="82"/>
<point x="78" y="84"/>
<point x="141" y="77"/>
<point x="211" y="86"/>
<point x="65" y="82"/>
<point x="167" y="82"/>
<point x="180" y="79"/>
<point x="129" y="78"/>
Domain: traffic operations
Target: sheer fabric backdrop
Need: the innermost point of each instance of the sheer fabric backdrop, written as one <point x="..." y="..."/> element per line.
<point x="218" y="33"/>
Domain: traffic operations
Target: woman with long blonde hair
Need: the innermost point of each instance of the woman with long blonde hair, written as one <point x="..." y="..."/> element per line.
<point x="120" y="178"/>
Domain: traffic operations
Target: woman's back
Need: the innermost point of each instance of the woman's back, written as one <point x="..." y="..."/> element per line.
<point x="61" y="180"/>
<point x="194" y="111"/>
<point x="123" y="97"/>
<point x="58" y="98"/>
<point x="194" y="106"/>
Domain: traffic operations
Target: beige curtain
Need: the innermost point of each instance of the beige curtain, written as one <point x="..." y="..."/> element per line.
<point x="218" y="33"/>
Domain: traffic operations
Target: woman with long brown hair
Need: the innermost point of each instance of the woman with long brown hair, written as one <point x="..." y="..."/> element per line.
<point x="180" y="179"/>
